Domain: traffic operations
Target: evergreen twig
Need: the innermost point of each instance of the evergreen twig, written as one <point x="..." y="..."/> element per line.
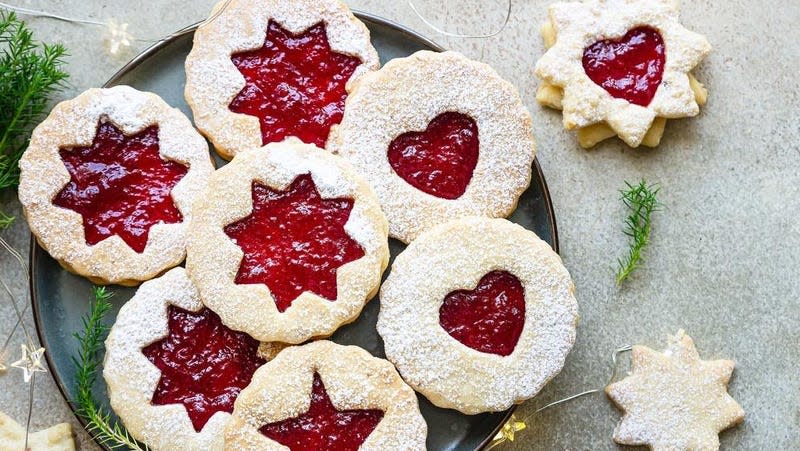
<point x="641" y="201"/>
<point x="98" y="422"/>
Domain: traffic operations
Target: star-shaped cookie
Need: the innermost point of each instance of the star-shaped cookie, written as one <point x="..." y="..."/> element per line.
<point x="673" y="400"/>
<point x="55" y="438"/>
<point x="620" y="67"/>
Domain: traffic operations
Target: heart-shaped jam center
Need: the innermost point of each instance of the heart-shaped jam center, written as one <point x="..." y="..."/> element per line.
<point x="204" y="365"/>
<point x="294" y="241"/>
<point x="294" y="84"/>
<point x="323" y="427"/>
<point x="439" y="160"/>
<point x="490" y="317"/>
<point x="120" y="185"/>
<point x="628" y="68"/>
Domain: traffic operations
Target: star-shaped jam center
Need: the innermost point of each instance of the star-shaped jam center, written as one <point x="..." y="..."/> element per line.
<point x="204" y="365"/>
<point x="323" y="426"/>
<point x="294" y="84"/>
<point x="294" y="241"/>
<point x="120" y="185"/>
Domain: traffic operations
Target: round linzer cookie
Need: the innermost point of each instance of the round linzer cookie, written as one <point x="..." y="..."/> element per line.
<point x="439" y="137"/>
<point x="173" y="369"/>
<point x="325" y="396"/>
<point x="487" y="323"/>
<point x="288" y="243"/>
<point x="270" y="69"/>
<point x="620" y="68"/>
<point x="108" y="182"/>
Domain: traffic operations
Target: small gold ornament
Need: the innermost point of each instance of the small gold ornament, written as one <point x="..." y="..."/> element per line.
<point x="512" y="426"/>
<point x="31" y="361"/>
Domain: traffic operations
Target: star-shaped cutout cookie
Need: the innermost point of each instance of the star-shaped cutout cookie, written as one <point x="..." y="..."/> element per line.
<point x="573" y="32"/>
<point x="673" y="400"/>
<point x="55" y="438"/>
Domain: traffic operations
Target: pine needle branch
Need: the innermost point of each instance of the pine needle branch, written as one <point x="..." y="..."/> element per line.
<point x="98" y="422"/>
<point x="30" y="72"/>
<point x="641" y="202"/>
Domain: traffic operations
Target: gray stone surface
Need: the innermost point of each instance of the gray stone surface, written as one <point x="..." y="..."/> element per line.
<point x="723" y="263"/>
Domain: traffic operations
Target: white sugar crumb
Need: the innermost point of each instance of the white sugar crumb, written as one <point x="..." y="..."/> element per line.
<point x="353" y="379"/>
<point x="405" y="95"/>
<point x="132" y="379"/>
<point x="43" y="174"/>
<point x="213" y="258"/>
<point x="455" y="256"/>
<point x="212" y="81"/>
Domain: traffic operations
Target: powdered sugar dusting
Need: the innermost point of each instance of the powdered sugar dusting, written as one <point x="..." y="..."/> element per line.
<point x="43" y="174"/>
<point x="213" y="258"/>
<point x="212" y="81"/>
<point x="353" y="379"/>
<point x="405" y="95"/>
<point x="455" y="256"/>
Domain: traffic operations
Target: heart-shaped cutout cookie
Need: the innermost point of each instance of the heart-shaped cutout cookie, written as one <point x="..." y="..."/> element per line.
<point x="489" y="318"/>
<point x="628" y="68"/>
<point x="439" y="160"/>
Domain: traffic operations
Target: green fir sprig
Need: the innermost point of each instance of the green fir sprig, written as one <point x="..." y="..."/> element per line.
<point x="30" y="72"/>
<point x="641" y="202"/>
<point x="98" y="421"/>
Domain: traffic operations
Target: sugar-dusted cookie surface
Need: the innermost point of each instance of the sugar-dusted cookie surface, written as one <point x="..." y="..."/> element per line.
<point x="672" y="400"/>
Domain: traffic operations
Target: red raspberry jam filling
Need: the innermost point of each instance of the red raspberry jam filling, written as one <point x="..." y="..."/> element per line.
<point x="294" y="241"/>
<point x="294" y="84"/>
<point x="120" y="185"/>
<point x="490" y="317"/>
<point x="439" y="160"/>
<point x="204" y="365"/>
<point x="323" y="427"/>
<point x="628" y="68"/>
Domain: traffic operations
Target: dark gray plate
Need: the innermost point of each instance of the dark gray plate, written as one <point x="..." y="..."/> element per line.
<point x="60" y="299"/>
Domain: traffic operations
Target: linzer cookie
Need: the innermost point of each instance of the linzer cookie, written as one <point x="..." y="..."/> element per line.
<point x="108" y="182"/>
<point x="620" y="67"/>
<point x="288" y="243"/>
<point x="266" y="70"/>
<point x="439" y="137"/>
<point x="324" y="396"/>
<point x="173" y="369"/>
<point x="478" y="314"/>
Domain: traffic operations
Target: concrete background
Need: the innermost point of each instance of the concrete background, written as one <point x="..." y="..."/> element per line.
<point x="723" y="262"/>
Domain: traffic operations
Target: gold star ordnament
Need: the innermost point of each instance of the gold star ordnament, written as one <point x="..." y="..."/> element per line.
<point x="673" y="400"/>
<point x="512" y="426"/>
<point x="31" y="361"/>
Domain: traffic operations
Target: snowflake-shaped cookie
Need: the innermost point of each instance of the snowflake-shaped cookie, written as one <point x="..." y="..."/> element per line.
<point x="620" y="67"/>
<point x="673" y="400"/>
